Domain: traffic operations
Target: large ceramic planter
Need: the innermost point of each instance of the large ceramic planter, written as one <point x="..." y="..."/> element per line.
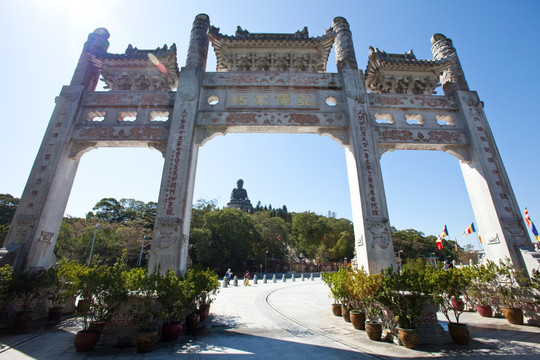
<point x="146" y="340"/>
<point x="85" y="340"/>
<point x="459" y="333"/>
<point x="336" y="309"/>
<point x="484" y="310"/>
<point x="345" y="313"/>
<point x="373" y="330"/>
<point x="22" y="319"/>
<point x="171" y="331"/>
<point x="358" y="320"/>
<point x="408" y="337"/>
<point x="513" y="315"/>
<point x="55" y="314"/>
<point x="97" y="325"/>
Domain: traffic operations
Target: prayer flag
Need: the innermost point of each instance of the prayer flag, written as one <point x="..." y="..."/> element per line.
<point x="469" y="230"/>
<point x="324" y="237"/>
<point x="480" y="239"/>
<point x="527" y="218"/>
<point x="444" y="233"/>
<point x="279" y="237"/>
<point x="531" y="225"/>
<point x="535" y="232"/>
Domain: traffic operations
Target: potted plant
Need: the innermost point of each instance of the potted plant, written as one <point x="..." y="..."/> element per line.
<point x="449" y="285"/>
<point x="369" y="292"/>
<point x="481" y="290"/>
<point x="172" y="295"/>
<point x="336" y="283"/>
<point x="7" y="292"/>
<point x="354" y="285"/>
<point x="86" y="285"/>
<point x="510" y="288"/>
<point x="28" y="286"/>
<point x="145" y="308"/>
<point x="403" y="295"/>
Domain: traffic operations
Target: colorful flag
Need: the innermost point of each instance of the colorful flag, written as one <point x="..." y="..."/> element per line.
<point x="455" y="243"/>
<point x="535" y="232"/>
<point x="527" y="218"/>
<point x="324" y="237"/>
<point x="279" y="237"/>
<point x="531" y="225"/>
<point x="444" y="233"/>
<point x="469" y="230"/>
<point x="480" y="239"/>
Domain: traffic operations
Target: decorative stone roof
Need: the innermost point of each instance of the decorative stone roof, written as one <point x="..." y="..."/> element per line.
<point x="271" y="52"/>
<point x="141" y="69"/>
<point x="403" y="73"/>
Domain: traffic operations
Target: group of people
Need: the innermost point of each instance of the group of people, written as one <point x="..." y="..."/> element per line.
<point x="229" y="273"/>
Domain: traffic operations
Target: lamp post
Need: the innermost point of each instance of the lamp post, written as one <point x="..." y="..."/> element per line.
<point x="142" y="247"/>
<point x="265" y="254"/>
<point x="96" y="228"/>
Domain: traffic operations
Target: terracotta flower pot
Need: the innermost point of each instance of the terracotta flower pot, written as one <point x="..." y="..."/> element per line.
<point x="513" y="315"/>
<point x="336" y="309"/>
<point x="85" y="340"/>
<point x="97" y="325"/>
<point x="408" y="337"/>
<point x="345" y="313"/>
<point x="484" y="310"/>
<point x="146" y="340"/>
<point x="358" y="320"/>
<point x="171" y="331"/>
<point x="459" y="333"/>
<point x="373" y="330"/>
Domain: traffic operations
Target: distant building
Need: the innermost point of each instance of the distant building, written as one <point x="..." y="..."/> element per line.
<point x="239" y="198"/>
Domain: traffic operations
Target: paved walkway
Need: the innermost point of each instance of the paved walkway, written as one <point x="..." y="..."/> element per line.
<point x="283" y="321"/>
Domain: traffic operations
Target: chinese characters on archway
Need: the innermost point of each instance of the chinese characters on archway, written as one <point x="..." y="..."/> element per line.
<point x="301" y="100"/>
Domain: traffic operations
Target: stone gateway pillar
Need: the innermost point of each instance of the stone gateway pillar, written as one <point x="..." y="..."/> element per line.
<point x="267" y="83"/>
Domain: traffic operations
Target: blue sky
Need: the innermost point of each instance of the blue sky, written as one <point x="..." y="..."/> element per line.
<point x="496" y="42"/>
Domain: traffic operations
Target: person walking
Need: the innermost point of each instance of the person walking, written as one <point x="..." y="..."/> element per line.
<point x="246" y="278"/>
<point x="228" y="276"/>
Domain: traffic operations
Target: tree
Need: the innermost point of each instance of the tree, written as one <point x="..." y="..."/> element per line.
<point x="228" y="242"/>
<point x="8" y="205"/>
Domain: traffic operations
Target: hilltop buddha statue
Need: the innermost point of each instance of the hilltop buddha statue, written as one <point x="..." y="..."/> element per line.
<point x="239" y="198"/>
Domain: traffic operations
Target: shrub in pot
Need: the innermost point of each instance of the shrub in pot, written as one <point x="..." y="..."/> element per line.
<point x="336" y="283"/>
<point x="173" y="296"/>
<point x="28" y="286"/>
<point x="481" y="289"/>
<point x="145" y="309"/>
<point x="7" y="292"/>
<point x="361" y="288"/>
<point x="511" y="288"/>
<point x="449" y="285"/>
<point x="403" y="296"/>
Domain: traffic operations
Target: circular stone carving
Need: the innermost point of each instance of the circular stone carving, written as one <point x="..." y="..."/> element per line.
<point x="212" y="100"/>
<point x="331" y="101"/>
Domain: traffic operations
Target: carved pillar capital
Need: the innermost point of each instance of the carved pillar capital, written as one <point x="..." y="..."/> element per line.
<point x="453" y="78"/>
<point x="89" y="66"/>
<point x="343" y="45"/>
<point x="198" y="42"/>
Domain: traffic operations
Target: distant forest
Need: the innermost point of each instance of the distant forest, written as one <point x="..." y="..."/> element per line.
<point x="226" y="238"/>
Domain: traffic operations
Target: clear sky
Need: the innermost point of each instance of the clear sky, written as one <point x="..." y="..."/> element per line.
<point x="496" y="41"/>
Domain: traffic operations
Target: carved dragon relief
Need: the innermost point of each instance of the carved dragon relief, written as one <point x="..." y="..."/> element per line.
<point x="379" y="232"/>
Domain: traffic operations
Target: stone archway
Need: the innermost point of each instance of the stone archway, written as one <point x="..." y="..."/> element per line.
<point x="266" y="83"/>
